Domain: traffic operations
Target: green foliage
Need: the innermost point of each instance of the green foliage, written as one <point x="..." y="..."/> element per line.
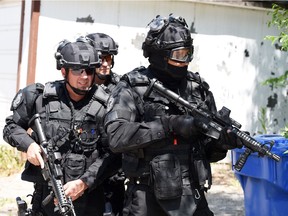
<point x="279" y="20"/>
<point x="280" y="81"/>
<point x="10" y="160"/>
<point x="284" y="131"/>
<point x="263" y="120"/>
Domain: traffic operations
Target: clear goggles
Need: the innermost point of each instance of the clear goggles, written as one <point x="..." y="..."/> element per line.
<point x="181" y="54"/>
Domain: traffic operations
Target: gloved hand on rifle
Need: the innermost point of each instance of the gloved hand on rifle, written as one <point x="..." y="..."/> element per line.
<point x="228" y="140"/>
<point x="183" y="125"/>
<point x="118" y="178"/>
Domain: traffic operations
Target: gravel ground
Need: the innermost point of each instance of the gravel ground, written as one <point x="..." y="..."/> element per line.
<point x="225" y="197"/>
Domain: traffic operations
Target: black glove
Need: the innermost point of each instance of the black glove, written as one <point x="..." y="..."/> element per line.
<point x="183" y="125"/>
<point x="229" y="140"/>
<point x="118" y="178"/>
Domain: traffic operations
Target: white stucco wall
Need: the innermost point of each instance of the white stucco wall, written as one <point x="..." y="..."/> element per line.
<point x="9" y="44"/>
<point x="224" y="35"/>
<point x="230" y="52"/>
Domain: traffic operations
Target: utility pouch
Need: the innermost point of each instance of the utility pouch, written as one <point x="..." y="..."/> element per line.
<point x="74" y="166"/>
<point x="202" y="172"/>
<point x="166" y="176"/>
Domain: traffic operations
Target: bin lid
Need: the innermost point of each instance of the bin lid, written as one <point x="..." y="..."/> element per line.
<point x="280" y="143"/>
<point x="265" y="169"/>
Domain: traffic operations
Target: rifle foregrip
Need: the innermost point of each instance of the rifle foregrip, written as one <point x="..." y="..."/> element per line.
<point x="61" y="194"/>
<point x="255" y="146"/>
<point x="48" y="199"/>
<point x="242" y="160"/>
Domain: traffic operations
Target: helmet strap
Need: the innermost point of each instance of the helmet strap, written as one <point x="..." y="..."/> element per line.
<point x="76" y="90"/>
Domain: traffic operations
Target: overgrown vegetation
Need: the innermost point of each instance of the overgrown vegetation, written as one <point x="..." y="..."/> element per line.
<point x="263" y="120"/>
<point x="11" y="160"/>
<point x="279" y="20"/>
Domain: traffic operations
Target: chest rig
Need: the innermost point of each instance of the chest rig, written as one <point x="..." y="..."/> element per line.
<point x="189" y="152"/>
<point x="194" y="90"/>
<point x="77" y="126"/>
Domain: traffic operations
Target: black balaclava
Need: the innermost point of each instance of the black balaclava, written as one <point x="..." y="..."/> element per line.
<point x="166" y="34"/>
<point x="166" y="73"/>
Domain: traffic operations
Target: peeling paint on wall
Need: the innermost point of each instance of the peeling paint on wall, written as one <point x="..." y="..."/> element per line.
<point x="277" y="46"/>
<point x="272" y="101"/>
<point x="246" y="53"/>
<point x="87" y="19"/>
<point x="138" y="40"/>
<point x="192" y="28"/>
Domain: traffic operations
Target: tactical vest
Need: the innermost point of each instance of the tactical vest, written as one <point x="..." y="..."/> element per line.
<point x="190" y="153"/>
<point x="80" y="124"/>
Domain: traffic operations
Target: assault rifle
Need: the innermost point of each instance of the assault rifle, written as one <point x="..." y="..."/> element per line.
<point x="52" y="172"/>
<point x="22" y="208"/>
<point x="212" y="124"/>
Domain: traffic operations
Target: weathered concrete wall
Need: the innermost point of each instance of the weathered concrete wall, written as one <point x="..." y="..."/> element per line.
<point x="230" y="52"/>
<point x="9" y="43"/>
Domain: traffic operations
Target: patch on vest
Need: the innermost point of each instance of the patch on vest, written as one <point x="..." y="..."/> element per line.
<point x="17" y="100"/>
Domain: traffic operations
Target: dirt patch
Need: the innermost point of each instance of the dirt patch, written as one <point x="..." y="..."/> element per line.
<point x="225" y="197"/>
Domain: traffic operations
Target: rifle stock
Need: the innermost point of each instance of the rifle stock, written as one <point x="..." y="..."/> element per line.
<point x="212" y="124"/>
<point x="22" y="208"/>
<point x="52" y="172"/>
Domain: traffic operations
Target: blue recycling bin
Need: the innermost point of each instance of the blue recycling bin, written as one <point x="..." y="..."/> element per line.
<point x="263" y="180"/>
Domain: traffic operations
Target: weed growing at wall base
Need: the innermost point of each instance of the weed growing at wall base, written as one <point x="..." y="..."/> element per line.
<point x="11" y="160"/>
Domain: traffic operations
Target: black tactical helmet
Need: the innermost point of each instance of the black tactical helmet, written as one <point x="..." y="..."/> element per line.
<point x="76" y="55"/>
<point x="103" y="43"/>
<point x="166" y="34"/>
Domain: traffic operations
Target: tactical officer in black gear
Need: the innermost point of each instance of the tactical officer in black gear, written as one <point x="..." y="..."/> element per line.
<point x="71" y="112"/>
<point x="165" y="156"/>
<point x="108" y="48"/>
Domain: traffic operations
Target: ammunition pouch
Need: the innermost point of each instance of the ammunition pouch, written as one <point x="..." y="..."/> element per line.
<point x="166" y="176"/>
<point x="74" y="166"/>
<point x="200" y="172"/>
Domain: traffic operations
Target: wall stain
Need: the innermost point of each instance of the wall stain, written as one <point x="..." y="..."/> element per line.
<point x="139" y="39"/>
<point x="275" y="121"/>
<point x="246" y="53"/>
<point x="87" y="19"/>
<point x="277" y="46"/>
<point x="192" y="29"/>
<point x="272" y="101"/>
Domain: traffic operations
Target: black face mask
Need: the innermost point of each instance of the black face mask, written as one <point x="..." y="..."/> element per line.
<point x="177" y="73"/>
<point x="171" y="72"/>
